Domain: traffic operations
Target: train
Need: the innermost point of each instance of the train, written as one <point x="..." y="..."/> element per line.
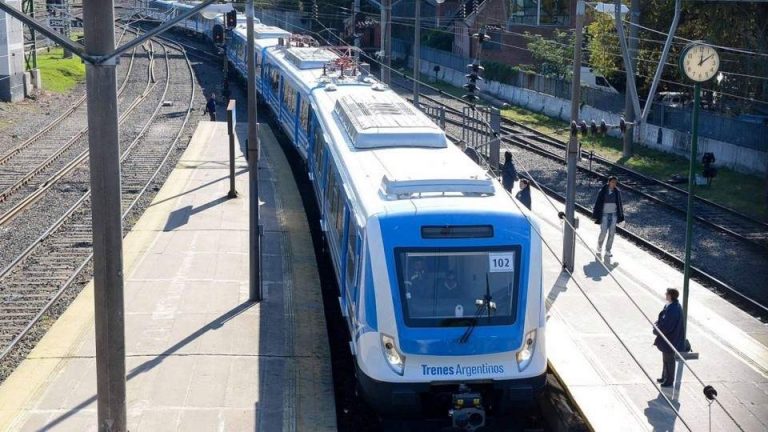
<point x="439" y="273"/>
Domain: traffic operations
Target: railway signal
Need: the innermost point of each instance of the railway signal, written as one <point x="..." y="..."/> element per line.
<point x="475" y="69"/>
<point x="231" y="19"/>
<point x="218" y="34"/>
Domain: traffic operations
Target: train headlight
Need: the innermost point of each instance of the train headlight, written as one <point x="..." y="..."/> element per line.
<point x="395" y="360"/>
<point x="525" y="355"/>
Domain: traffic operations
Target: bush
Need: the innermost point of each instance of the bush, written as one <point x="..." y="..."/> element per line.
<point x="437" y="39"/>
<point x="503" y="73"/>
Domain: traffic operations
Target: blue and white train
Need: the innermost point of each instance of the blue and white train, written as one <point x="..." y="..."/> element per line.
<point x="439" y="272"/>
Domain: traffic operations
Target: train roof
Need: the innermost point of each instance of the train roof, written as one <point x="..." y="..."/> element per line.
<point x="392" y="157"/>
<point x="264" y="35"/>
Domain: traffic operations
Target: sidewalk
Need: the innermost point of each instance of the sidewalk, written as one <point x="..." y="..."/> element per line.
<point x="200" y="356"/>
<point x="606" y="379"/>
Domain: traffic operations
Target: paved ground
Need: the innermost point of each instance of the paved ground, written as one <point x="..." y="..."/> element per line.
<point x="614" y="384"/>
<point x="200" y="356"/>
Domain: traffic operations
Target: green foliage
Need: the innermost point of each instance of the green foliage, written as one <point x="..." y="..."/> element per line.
<point x="437" y="39"/>
<point x="602" y="42"/>
<point x="553" y="56"/>
<point x="503" y="73"/>
<point x="59" y="74"/>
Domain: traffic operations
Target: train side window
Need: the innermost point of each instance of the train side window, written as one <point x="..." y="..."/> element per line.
<point x="289" y="97"/>
<point x="340" y="216"/>
<point x="274" y="78"/>
<point x="318" y="152"/>
<point x="304" y="114"/>
<point x="351" y="255"/>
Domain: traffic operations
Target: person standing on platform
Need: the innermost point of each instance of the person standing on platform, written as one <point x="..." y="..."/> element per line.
<point x="508" y="172"/>
<point x="524" y="195"/>
<point x="608" y="211"/>
<point x="210" y="107"/>
<point x="670" y="324"/>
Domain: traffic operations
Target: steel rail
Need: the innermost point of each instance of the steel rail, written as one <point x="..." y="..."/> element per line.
<point x="85" y="196"/>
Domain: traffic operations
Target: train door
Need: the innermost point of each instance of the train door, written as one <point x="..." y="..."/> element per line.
<point x="317" y="161"/>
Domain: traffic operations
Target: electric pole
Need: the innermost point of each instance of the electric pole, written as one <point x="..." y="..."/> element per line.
<point x="254" y="237"/>
<point x="629" y="110"/>
<point x="355" y="34"/>
<point x="416" y="52"/>
<point x="569" y="235"/>
<point x="386" y="40"/>
<point x="104" y="160"/>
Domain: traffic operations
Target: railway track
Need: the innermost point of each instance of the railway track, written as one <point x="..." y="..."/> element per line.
<point x="38" y="277"/>
<point x="715" y="215"/>
<point x="718" y="228"/>
<point x="55" y="150"/>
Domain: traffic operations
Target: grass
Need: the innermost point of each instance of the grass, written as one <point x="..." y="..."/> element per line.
<point x="59" y="74"/>
<point x="742" y="192"/>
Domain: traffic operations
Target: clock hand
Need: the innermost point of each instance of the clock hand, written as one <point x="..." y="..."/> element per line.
<point x="702" y="62"/>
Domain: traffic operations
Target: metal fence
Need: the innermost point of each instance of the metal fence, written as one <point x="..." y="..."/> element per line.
<point x="713" y="126"/>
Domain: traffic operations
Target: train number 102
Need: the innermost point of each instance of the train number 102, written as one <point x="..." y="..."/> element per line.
<point x="501" y="262"/>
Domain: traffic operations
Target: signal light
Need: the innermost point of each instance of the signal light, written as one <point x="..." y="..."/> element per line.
<point x="574" y="128"/>
<point x="583" y="128"/>
<point x="218" y="34"/>
<point x="603" y="127"/>
<point x="622" y="125"/>
<point x="593" y="127"/>
<point x="232" y="19"/>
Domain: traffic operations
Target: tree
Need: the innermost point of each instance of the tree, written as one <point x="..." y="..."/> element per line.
<point x="553" y="56"/>
<point x="602" y="41"/>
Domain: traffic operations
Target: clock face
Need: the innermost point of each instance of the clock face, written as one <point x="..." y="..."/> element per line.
<point x="700" y="62"/>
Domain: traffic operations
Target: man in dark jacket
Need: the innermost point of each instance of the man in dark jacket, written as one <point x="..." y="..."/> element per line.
<point x="210" y="107"/>
<point x="508" y="172"/>
<point x="608" y="211"/>
<point x="524" y="195"/>
<point x="670" y="324"/>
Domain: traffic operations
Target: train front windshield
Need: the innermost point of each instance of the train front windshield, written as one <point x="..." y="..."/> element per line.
<point x="457" y="287"/>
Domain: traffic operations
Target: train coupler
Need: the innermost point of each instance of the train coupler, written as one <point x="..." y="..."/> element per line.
<point x="467" y="413"/>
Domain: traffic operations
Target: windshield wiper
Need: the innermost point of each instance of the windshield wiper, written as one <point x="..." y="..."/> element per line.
<point x="482" y="304"/>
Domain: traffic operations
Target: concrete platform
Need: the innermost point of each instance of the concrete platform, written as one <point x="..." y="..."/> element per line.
<point x="614" y="384"/>
<point x="200" y="356"/>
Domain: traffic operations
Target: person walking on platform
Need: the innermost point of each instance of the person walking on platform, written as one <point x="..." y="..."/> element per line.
<point x="508" y="172"/>
<point x="524" y="195"/>
<point x="210" y="107"/>
<point x="608" y="211"/>
<point x="670" y="324"/>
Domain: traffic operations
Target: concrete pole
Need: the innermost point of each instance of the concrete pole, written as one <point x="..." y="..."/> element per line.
<point x="569" y="235"/>
<point x="629" y="110"/>
<point x="355" y="13"/>
<point x="386" y="40"/>
<point x="104" y="159"/>
<point x="416" y="52"/>
<point x="254" y="292"/>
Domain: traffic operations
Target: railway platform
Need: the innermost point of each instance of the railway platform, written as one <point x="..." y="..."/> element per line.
<point x="599" y="340"/>
<point x="200" y="356"/>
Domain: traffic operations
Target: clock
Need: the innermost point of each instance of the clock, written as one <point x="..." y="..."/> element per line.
<point x="699" y="62"/>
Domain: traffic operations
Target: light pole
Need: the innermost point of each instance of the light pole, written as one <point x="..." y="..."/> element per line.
<point x="417" y="49"/>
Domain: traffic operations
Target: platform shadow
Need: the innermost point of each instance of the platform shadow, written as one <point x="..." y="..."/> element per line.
<point x="559" y="287"/>
<point x="596" y="270"/>
<point x="660" y="415"/>
<point x="215" y="324"/>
